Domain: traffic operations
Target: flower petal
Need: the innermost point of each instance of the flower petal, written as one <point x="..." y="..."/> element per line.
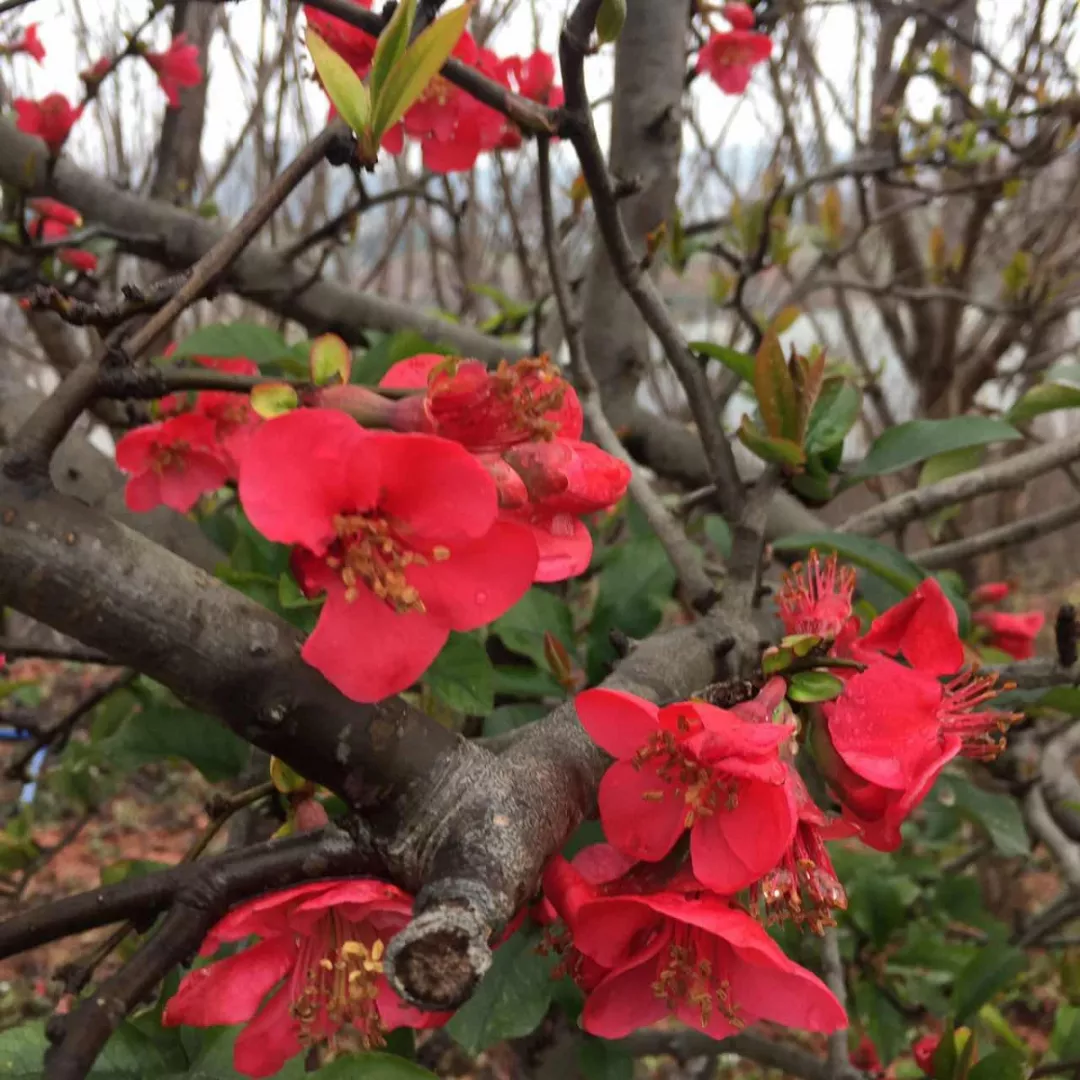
<point x="923" y="627"/>
<point x="643" y="815"/>
<point x="200" y="474"/>
<point x="231" y="990"/>
<point x="481" y="580"/>
<point x="624" y="1000"/>
<point x="731" y="849"/>
<point x="435" y="486"/>
<point x="267" y="1043"/>
<point x="616" y="721"/>
<point x="301" y="469"/>
<point x="368" y="650"/>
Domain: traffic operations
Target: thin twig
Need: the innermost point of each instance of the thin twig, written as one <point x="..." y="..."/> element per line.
<point x="32" y="446"/>
<point x="833" y="970"/>
<point x="74" y="654"/>
<point x="1016" y="532"/>
<point x="683" y="555"/>
<point x="999" y="476"/>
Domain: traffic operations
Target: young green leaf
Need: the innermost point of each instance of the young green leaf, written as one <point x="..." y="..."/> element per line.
<point x="421" y="63"/>
<point x="342" y="84"/>
<point x="775" y="390"/>
<point x="610" y="19"/>
<point x="273" y="399"/>
<point x="392" y="43"/>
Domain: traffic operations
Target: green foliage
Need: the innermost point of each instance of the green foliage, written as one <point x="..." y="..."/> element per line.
<point x="537" y="613"/>
<point x="264" y="346"/>
<point x="512" y="998"/>
<point x="913" y="442"/>
<point x="462" y="676"/>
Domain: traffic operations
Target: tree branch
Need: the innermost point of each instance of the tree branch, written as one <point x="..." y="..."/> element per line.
<point x="578" y="128"/>
<point x="1000" y="476"/>
<point x="683" y="555"/>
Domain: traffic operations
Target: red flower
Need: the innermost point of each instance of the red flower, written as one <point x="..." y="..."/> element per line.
<point x="923" y="1051"/>
<point x="692" y="766"/>
<point x="804" y="887"/>
<point x="30" y="44"/>
<point x="993" y="592"/>
<point x="176" y="68"/>
<point x="729" y="56"/>
<point x="535" y="77"/>
<point x="524" y="421"/>
<point x="816" y="599"/>
<point x="57" y="211"/>
<point x="50" y="119"/>
<point x="878" y="811"/>
<point x="234" y="420"/>
<point x="688" y="956"/>
<point x="352" y="44"/>
<point x="741" y="16"/>
<point x="865" y="1056"/>
<point x="922" y="628"/>
<point x="321" y="954"/>
<point x="170" y="463"/>
<point x="455" y="128"/>
<point x="400" y="531"/>
<point x="85" y="262"/>
<point x="1012" y="633"/>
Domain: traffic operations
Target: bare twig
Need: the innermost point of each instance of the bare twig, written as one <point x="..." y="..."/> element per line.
<point x="1000" y="476"/>
<point x="32" y="446"/>
<point x="1016" y="532"/>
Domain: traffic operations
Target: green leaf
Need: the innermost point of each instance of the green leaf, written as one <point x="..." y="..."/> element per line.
<point x="811" y="686"/>
<point x="1000" y="1065"/>
<point x="330" y="360"/>
<point x="387" y="351"/>
<point x="462" y="676"/>
<point x="994" y="967"/>
<point x="273" y="399"/>
<point x="523" y="627"/>
<point x="908" y="444"/>
<point x="163" y="731"/>
<point x="833" y="415"/>
<point x="604" y="1059"/>
<point x="258" y="343"/>
<point x="342" y="85"/>
<point x="421" y="63"/>
<point x="610" y="19"/>
<point x="951" y="463"/>
<point x="392" y="43"/>
<point x="129" y="1055"/>
<point x="996" y="813"/>
<point x="775" y="392"/>
<point x="739" y="362"/>
<point x="884" y="1023"/>
<point x="1065" y="1038"/>
<point x="880" y="559"/>
<point x="770" y="448"/>
<point x="718" y="533"/>
<point x="1044" y="398"/>
<point x="373" y="1066"/>
<point x="878" y="905"/>
<point x="636" y="581"/>
<point x="510" y="717"/>
<point x="512" y="998"/>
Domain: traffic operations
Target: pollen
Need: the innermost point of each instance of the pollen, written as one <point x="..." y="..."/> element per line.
<point x="370" y="552"/>
<point x="689" y="975"/>
<point x="704" y="789"/>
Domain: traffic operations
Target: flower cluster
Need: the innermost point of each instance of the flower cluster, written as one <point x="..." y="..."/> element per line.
<point x="451" y="127"/>
<point x="319" y="958"/>
<point x="53" y="220"/>
<point x="53" y="116"/>
<point x="702" y="804"/>
<point x="193" y="451"/>
<point x="523" y="423"/>
<point x="1009" y="632"/>
<point x="729" y="56"/>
